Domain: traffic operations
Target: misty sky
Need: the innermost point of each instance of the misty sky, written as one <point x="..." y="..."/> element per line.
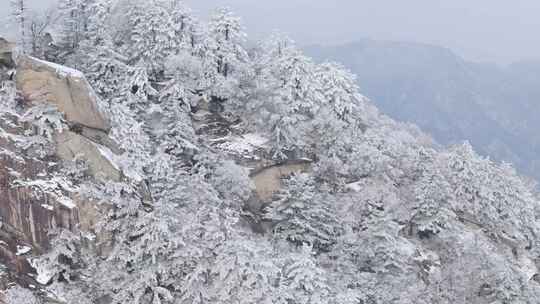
<point x="480" y="30"/>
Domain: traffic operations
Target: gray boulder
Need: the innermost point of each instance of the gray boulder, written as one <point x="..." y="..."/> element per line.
<point x="68" y="89"/>
<point x="100" y="160"/>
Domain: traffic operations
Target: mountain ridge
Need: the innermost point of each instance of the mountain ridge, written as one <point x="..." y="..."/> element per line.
<point x="479" y="102"/>
<point x="247" y="175"/>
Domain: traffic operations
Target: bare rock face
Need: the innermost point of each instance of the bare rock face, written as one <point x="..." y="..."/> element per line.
<point x="268" y="180"/>
<point x="71" y="145"/>
<point x="32" y="203"/>
<point x="99" y="137"/>
<point x="42" y="81"/>
<point x="6" y="53"/>
<point x="249" y="150"/>
<point x="90" y="214"/>
<point x="68" y="89"/>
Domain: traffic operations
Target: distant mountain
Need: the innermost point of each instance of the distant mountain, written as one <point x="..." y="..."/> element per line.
<point x="152" y="158"/>
<point x="495" y="108"/>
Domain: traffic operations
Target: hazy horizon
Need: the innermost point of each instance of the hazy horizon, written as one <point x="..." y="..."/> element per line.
<point x="486" y="30"/>
<point x="151" y="154"/>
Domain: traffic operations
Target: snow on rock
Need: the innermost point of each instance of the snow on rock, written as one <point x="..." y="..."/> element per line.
<point x="44" y="82"/>
<point x="52" y="186"/>
<point x="111" y="157"/>
<point x="100" y="160"/>
<point x="44" y="273"/>
<point x="66" y="202"/>
<point x="119" y="163"/>
<point x="245" y="144"/>
<point x="48" y="207"/>
<point x="527" y="266"/>
<point x="269" y="180"/>
<point x="354" y="187"/>
<point x="21" y="250"/>
<point x="61" y="70"/>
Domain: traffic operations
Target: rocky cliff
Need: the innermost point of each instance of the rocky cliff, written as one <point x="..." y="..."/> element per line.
<point x="36" y="195"/>
<point x="269" y="179"/>
<point x="493" y="107"/>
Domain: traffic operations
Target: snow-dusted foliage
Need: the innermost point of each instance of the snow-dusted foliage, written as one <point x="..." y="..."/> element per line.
<point x="75" y="15"/>
<point x="296" y="95"/>
<point x="376" y="216"/>
<point x="224" y="54"/>
<point x="8" y="97"/>
<point x="19" y="13"/>
<point x="339" y="89"/>
<point x="20" y="295"/>
<point x="46" y="119"/>
<point x="59" y="262"/>
<point x="151" y="38"/>
<point x="305" y="216"/>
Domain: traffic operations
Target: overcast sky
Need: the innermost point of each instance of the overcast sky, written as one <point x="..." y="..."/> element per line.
<point x="480" y="30"/>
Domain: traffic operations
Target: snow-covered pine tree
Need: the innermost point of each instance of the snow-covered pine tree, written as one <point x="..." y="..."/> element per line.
<point x="302" y="281"/>
<point x="185" y="24"/>
<point x="246" y="272"/>
<point x="100" y="12"/>
<point x="341" y="231"/>
<point x="40" y="24"/>
<point x="19" y="12"/>
<point x="75" y="16"/>
<point x="227" y="38"/>
<point x="19" y="295"/>
<point x="294" y="96"/>
<point x="303" y="215"/>
<point x="151" y="37"/>
<point x="339" y="88"/>
<point x="223" y="53"/>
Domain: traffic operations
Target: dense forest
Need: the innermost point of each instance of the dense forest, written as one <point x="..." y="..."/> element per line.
<point x="369" y="211"/>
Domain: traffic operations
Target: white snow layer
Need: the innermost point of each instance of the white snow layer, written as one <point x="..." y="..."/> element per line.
<point x="247" y="143"/>
<point x="118" y="162"/>
<point x="60" y="69"/>
<point x="23" y="250"/>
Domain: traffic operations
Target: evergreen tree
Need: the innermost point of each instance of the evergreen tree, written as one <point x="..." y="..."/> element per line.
<point x="294" y="96"/>
<point x="303" y="216"/>
<point x="339" y="89"/>
<point x="302" y="281"/>
<point x="379" y="217"/>
<point x="75" y="16"/>
<point x="152" y="36"/>
<point x="19" y="12"/>
<point x="226" y="37"/>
